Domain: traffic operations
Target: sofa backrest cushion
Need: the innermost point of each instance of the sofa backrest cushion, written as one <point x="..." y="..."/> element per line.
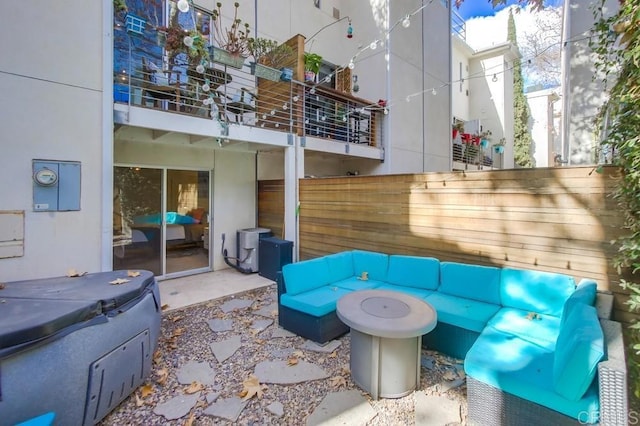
<point x="414" y="271"/>
<point x="579" y="348"/>
<point x="471" y="281"/>
<point x="535" y="291"/>
<point x="306" y="275"/>
<point x="585" y="293"/>
<point x="340" y="266"/>
<point x="373" y="263"/>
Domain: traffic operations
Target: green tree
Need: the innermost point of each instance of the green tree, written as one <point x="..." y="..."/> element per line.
<point x="616" y="41"/>
<point x="521" y="135"/>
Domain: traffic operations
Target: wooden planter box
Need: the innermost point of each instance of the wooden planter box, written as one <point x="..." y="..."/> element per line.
<point x="266" y="72"/>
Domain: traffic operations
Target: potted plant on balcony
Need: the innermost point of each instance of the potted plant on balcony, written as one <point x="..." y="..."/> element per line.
<point x="269" y="56"/>
<point x="498" y="148"/>
<point x="232" y="42"/>
<point x="312" y="63"/>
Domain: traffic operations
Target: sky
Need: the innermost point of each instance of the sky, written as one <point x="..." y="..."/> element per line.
<point x="478" y="8"/>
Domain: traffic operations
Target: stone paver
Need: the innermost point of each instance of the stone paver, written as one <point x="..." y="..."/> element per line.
<point x="225" y="348"/>
<point x="281" y="353"/>
<point x="219" y="325"/>
<point x="281" y="332"/>
<point x="342" y="408"/>
<point x="326" y="348"/>
<point x="269" y="311"/>
<point x="276" y="408"/>
<point x="211" y="397"/>
<point x="261" y="325"/>
<point x="234" y="304"/>
<point x="196" y="371"/>
<point x="177" y="406"/>
<point x="227" y="408"/>
<point x="280" y="372"/>
<point x="433" y="410"/>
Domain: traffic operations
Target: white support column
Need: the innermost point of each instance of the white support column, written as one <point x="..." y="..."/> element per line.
<point x="291" y="196"/>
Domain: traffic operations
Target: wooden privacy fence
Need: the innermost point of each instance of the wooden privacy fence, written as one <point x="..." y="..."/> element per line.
<point x="551" y="219"/>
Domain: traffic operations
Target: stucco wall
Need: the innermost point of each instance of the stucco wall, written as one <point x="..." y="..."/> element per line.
<point x="51" y="109"/>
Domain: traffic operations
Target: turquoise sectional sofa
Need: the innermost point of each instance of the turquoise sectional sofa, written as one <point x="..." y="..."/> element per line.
<point x="529" y="338"/>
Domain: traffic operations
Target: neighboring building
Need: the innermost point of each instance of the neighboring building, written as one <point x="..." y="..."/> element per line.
<point x="545" y="124"/>
<point x="482" y="98"/>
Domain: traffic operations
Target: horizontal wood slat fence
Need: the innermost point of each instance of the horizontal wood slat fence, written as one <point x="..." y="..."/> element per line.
<point x="555" y="219"/>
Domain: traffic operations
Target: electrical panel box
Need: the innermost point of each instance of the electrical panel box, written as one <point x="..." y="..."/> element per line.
<point x="56" y="185"/>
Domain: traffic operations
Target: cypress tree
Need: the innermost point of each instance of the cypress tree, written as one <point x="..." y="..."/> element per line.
<point x="521" y="136"/>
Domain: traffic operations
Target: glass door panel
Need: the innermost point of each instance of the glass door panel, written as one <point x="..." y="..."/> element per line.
<point x="137" y="214"/>
<point x="187" y="225"/>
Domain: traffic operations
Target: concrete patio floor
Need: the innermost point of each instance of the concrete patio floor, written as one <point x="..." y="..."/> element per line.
<point x="180" y="292"/>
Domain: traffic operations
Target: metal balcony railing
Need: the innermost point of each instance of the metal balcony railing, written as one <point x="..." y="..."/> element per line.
<point x="458" y="25"/>
<point x="469" y="153"/>
<point x="230" y="95"/>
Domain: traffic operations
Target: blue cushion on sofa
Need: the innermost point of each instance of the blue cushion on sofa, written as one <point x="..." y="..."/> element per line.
<point x="306" y="275"/>
<point x="540" y="329"/>
<point x="414" y="271"/>
<point x="471" y="281"/>
<point x="535" y="291"/>
<point x="524" y="369"/>
<point x="316" y="302"/>
<point x="340" y="266"/>
<point x="585" y="293"/>
<point x="579" y="349"/>
<point x="420" y="293"/>
<point x="353" y="283"/>
<point x="375" y="264"/>
<point x="461" y="312"/>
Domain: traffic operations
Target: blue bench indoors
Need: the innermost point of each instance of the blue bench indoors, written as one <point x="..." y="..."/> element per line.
<point x="533" y="346"/>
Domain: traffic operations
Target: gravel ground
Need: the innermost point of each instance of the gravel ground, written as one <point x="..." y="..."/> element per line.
<point x="185" y="336"/>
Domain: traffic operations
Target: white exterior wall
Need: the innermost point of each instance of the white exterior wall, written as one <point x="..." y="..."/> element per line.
<point x="51" y="108"/>
<point x="460" y="55"/>
<point x="583" y="94"/>
<point x="542" y="105"/>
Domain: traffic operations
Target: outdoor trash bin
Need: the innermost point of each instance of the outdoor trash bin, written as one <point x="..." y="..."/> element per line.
<point x="77" y="346"/>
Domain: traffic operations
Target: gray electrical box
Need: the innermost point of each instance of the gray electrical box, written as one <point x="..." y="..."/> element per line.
<point x="56" y="185"/>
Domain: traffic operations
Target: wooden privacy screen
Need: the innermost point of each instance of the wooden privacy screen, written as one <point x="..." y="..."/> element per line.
<point x="555" y="219"/>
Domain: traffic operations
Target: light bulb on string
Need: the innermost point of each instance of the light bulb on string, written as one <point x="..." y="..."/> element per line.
<point x="200" y="69"/>
<point x="183" y="6"/>
<point x="188" y="41"/>
<point x="434" y="92"/>
<point x="312" y="91"/>
<point x="351" y="64"/>
<point x="206" y="87"/>
<point x="373" y="45"/>
<point x="495" y="78"/>
<point x="385" y="111"/>
<point x="295" y="98"/>
<point x="406" y="22"/>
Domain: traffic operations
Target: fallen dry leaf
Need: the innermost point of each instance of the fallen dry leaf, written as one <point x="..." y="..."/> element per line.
<point x="164" y="307"/>
<point x="177" y="332"/>
<point x="259" y="341"/>
<point x="194" y="387"/>
<point x="533" y="316"/>
<point x="72" y="273"/>
<point x="338" y="381"/>
<point x="119" y="281"/>
<point x="274" y="313"/>
<point x="449" y="375"/>
<point x="139" y="401"/>
<point x="133" y="273"/>
<point x="145" y="391"/>
<point x="252" y="387"/>
<point x="333" y="354"/>
<point x="157" y="356"/>
<point x="292" y="361"/>
<point x="162" y="374"/>
<point x="190" y="420"/>
<point x="298" y="354"/>
<point x="177" y="318"/>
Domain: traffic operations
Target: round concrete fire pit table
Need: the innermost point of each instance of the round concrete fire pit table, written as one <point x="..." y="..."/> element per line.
<point x="386" y="339"/>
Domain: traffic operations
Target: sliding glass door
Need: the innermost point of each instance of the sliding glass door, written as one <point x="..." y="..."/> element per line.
<point x="160" y="220"/>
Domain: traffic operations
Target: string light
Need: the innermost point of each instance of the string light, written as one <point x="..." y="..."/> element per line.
<point x="495" y="78"/>
<point x="200" y="69"/>
<point x="183" y="6"/>
<point x="406" y="22"/>
<point x="351" y="65"/>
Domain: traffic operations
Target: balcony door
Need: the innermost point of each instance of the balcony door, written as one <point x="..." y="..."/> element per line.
<point x="161" y="220"/>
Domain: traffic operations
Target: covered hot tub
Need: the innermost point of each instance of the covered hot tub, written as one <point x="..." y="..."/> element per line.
<point x="76" y="346"/>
